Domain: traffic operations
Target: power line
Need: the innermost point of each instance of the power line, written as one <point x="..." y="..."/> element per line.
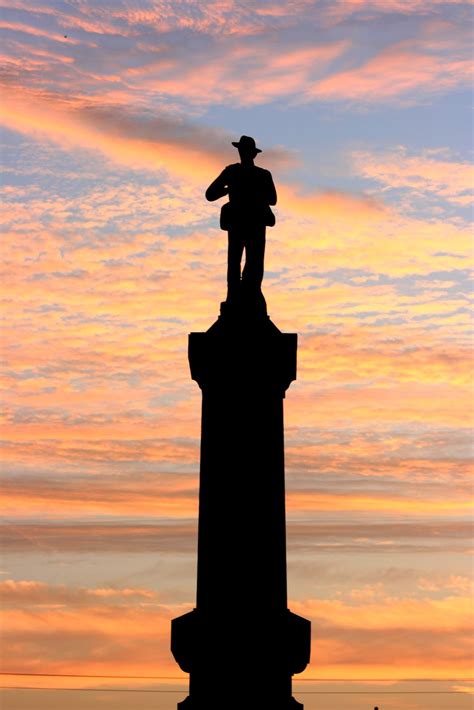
<point x="296" y="680"/>
<point x="96" y="690"/>
<point x="378" y="692"/>
<point x="303" y="692"/>
<point x="84" y="675"/>
<point x="383" y="680"/>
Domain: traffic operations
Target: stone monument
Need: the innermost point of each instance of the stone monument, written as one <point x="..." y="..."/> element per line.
<point x="241" y="645"/>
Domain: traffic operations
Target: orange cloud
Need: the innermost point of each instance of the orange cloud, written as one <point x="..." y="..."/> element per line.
<point x="128" y="633"/>
<point x="307" y="501"/>
<point x="115" y="635"/>
<point x="379" y="405"/>
<point x="388" y="637"/>
<point x="363" y="355"/>
<point x="83" y="127"/>
<point x="159" y="495"/>
<point x="356" y="240"/>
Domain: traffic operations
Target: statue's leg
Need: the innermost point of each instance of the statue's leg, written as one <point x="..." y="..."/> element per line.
<point x="252" y="275"/>
<point x="234" y="257"/>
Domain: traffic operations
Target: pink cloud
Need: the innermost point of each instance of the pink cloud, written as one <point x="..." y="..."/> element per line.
<point x="342" y="9"/>
<point x="35" y="31"/>
<point x="396" y="72"/>
<point x="236" y="73"/>
<point x="249" y="55"/>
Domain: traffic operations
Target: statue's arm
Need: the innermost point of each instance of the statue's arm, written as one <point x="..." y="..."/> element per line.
<point x="218" y="188"/>
<point x="272" y="195"/>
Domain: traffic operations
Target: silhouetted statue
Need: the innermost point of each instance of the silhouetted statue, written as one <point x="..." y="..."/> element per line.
<point x="245" y="217"/>
<point x="241" y="628"/>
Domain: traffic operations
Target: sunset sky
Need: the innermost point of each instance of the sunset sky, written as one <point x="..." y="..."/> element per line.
<point x="116" y="117"/>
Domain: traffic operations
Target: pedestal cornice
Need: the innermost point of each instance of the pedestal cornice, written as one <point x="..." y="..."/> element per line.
<point x="243" y="355"/>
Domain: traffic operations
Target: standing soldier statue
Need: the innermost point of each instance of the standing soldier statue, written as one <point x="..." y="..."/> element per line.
<point x="251" y="192"/>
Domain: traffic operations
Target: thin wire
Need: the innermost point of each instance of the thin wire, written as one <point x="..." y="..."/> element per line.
<point x="95" y="690"/>
<point x="303" y="692"/>
<point x="296" y="680"/>
<point x="83" y="675"/>
<point x="383" y="680"/>
<point x="378" y="692"/>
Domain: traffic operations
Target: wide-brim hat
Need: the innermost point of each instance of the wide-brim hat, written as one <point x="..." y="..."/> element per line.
<point x="246" y="142"/>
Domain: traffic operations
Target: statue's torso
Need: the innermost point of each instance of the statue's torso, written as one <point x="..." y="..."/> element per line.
<point x="249" y="188"/>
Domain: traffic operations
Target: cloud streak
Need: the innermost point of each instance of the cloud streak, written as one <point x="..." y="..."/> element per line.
<point x="240" y="54"/>
<point x="179" y="537"/>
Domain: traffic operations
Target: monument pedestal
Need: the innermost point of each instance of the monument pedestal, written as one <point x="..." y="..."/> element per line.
<point x="241" y="645"/>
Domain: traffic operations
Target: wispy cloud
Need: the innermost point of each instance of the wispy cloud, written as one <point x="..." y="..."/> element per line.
<point x="241" y="54"/>
<point x="432" y="174"/>
<point x="398" y="72"/>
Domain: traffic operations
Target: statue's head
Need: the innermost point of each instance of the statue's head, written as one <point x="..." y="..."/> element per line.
<point x="246" y="147"/>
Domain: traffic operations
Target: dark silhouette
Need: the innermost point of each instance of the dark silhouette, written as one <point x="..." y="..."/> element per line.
<point x="241" y="645"/>
<point x="251" y="192"/>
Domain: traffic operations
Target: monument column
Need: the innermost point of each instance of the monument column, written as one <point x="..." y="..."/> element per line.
<point x="241" y="644"/>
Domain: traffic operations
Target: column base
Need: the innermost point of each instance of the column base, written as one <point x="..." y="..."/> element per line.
<point x="190" y="704"/>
